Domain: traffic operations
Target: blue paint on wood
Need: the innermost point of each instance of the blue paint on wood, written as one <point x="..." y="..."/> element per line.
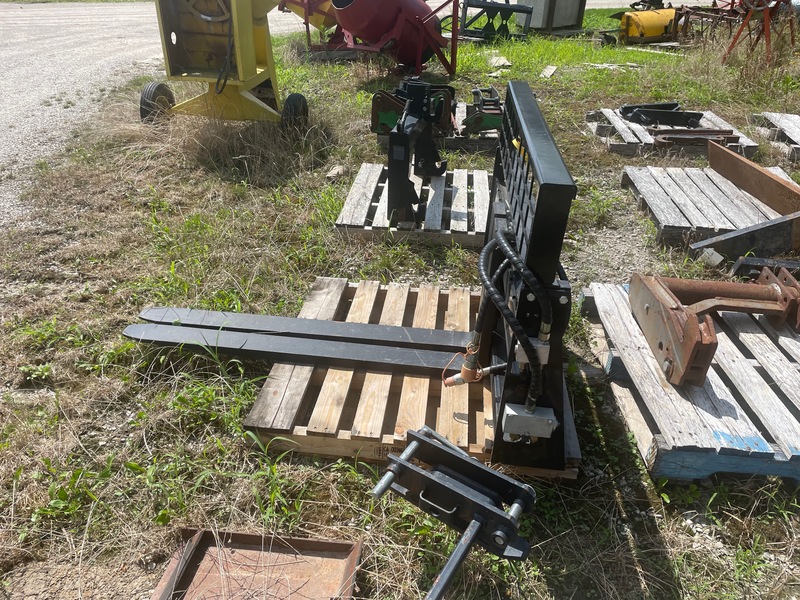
<point x="676" y="464"/>
<point x="751" y="443"/>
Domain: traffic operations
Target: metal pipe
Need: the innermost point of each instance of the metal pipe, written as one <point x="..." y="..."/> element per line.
<point x="388" y="478"/>
<point x="690" y="291"/>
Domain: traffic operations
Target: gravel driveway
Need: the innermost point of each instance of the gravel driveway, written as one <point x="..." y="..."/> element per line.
<point x="56" y="59"/>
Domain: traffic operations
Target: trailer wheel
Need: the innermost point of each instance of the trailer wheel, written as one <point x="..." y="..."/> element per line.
<point x="295" y="111"/>
<point x="155" y="102"/>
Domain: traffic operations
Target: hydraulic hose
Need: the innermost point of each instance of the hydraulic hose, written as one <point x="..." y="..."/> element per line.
<point x="531" y="281"/>
<point x="534" y="390"/>
<point x="485" y="301"/>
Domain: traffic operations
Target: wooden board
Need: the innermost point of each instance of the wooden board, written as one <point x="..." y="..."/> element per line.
<point x="782" y="130"/>
<point x="365" y="414"/>
<point x="630" y="139"/>
<point x="744" y="419"/>
<point x="457" y="207"/>
<point x="691" y="204"/>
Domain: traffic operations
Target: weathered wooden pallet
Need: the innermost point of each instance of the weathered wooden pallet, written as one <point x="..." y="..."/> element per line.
<point x="457" y="207"/>
<point x="630" y="139"/>
<point x="691" y="204"/>
<point x="745" y="419"/>
<point x="782" y="130"/>
<point x="366" y="414"/>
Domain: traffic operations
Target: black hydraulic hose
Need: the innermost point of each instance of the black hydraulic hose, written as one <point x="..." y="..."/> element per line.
<point x="225" y="70"/>
<point x="494" y="294"/>
<point x="485" y="300"/>
<point x="530" y="280"/>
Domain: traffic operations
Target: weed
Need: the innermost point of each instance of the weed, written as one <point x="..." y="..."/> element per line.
<point x="37" y="374"/>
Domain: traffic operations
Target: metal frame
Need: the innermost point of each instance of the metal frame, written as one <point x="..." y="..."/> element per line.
<point x="463" y="494"/>
<point x="241" y="40"/>
<point x="674" y="316"/>
<point x="532" y="193"/>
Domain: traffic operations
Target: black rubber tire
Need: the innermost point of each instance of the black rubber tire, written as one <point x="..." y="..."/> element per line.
<point x="295" y="111"/>
<point x="155" y="102"/>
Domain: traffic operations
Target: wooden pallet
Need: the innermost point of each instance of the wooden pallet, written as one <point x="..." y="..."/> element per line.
<point x="782" y="130"/>
<point x="745" y="419"/>
<point x="456" y="211"/>
<point x="630" y="139"/>
<point x="691" y="204"/>
<point x="365" y="414"/>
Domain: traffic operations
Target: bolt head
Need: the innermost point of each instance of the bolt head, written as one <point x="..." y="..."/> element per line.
<point x="563" y="299"/>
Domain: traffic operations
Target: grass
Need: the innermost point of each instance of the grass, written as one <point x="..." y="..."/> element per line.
<point x="107" y="448"/>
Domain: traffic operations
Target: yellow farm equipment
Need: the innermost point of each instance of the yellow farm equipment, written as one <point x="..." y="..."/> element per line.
<point x="225" y="44"/>
<point x="646" y="26"/>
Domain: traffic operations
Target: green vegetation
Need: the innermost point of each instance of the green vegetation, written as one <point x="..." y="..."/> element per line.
<point x="107" y="447"/>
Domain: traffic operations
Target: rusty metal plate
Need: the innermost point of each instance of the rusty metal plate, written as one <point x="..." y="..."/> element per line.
<point x="238" y="565"/>
<point x="683" y="343"/>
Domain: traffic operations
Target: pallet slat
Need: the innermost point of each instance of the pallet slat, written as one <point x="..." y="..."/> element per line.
<point x="368" y="421"/>
<point x="775" y="416"/>
<point x="332" y="396"/>
<point x="412" y="407"/>
<point x="360" y="195"/>
<point x="669" y="220"/>
<point x="704" y="204"/>
<point x="280" y="399"/>
<point x="692" y="213"/>
<point x="454" y="408"/>
<point x="740" y="195"/>
<point x="435" y="205"/>
<point x="458" y="207"/>
<point x="741" y="214"/>
<point x="480" y="184"/>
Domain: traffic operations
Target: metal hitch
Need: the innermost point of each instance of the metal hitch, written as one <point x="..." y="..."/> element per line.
<point x="463" y="494"/>
<point x="674" y="316"/>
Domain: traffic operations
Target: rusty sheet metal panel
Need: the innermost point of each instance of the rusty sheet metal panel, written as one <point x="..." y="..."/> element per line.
<point x="216" y="564"/>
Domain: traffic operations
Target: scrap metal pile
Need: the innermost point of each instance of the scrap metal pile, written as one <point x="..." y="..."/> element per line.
<point x="742" y="22"/>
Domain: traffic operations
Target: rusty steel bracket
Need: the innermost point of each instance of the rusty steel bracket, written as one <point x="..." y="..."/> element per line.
<point x="666" y="138"/>
<point x="674" y="316"/>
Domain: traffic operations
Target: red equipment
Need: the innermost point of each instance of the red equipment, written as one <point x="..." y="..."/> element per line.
<point x="760" y="17"/>
<point x="407" y="30"/>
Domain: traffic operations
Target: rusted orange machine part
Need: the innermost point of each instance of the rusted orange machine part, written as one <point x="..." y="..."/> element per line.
<point x="674" y="316"/>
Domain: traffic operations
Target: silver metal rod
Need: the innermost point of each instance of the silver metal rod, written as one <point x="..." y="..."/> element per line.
<point x="388" y="478"/>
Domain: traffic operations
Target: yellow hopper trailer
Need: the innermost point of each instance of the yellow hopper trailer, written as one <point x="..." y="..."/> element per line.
<point x="225" y="44"/>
